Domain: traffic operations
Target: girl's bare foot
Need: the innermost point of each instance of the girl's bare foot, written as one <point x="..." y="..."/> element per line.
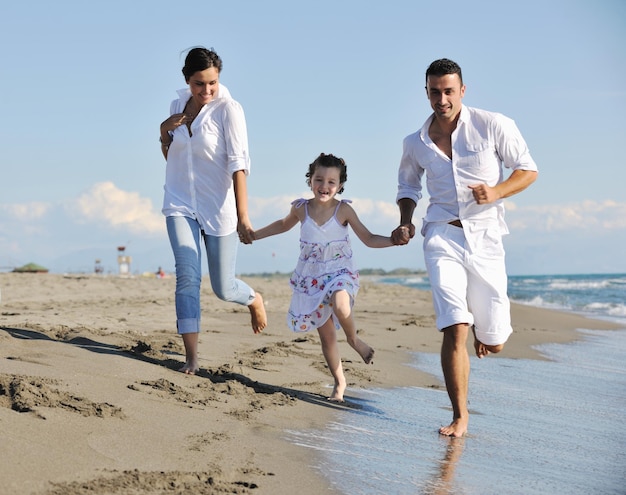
<point x="364" y="350"/>
<point x="457" y="428"/>
<point x="257" y="313"/>
<point x="338" y="390"/>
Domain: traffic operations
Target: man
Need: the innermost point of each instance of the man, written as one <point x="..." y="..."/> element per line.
<point x="461" y="150"/>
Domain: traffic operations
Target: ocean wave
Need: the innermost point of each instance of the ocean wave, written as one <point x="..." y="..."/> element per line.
<point x="595" y="296"/>
<point x="539" y="302"/>
<point x="579" y="284"/>
<point x="417" y="280"/>
<point x="610" y="309"/>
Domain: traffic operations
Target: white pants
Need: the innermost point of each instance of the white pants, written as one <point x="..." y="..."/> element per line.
<point x="468" y="287"/>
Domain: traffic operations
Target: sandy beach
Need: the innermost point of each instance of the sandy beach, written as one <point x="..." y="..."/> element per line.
<point x="91" y="401"/>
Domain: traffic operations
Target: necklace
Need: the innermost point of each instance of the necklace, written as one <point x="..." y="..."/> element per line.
<point x="190" y="109"/>
<point x="190" y="114"/>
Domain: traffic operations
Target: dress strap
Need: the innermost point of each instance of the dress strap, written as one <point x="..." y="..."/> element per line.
<point x="302" y="201"/>
<point x="299" y="202"/>
<point x="339" y="204"/>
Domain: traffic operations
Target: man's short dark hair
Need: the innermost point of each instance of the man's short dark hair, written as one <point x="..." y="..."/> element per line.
<point x="443" y="67"/>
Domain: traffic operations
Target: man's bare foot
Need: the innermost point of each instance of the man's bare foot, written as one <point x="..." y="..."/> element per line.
<point x="481" y="349"/>
<point x="457" y="428"/>
<point x="257" y="312"/>
<point x="190" y="368"/>
<point x="364" y="350"/>
<point x="338" y="390"/>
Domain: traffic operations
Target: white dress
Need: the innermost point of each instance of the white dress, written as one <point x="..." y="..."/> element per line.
<point x="325" y="265"/>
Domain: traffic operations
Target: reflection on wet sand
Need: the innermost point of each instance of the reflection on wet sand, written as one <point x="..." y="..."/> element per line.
<point x="443" y="481"/>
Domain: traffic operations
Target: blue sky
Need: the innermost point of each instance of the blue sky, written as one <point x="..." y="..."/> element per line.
<point x="85" y="86"/>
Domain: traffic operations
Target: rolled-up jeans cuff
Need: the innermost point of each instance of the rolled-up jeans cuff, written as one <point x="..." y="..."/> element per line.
<point x="251" y="299"/>
<point x="188" y="325"/>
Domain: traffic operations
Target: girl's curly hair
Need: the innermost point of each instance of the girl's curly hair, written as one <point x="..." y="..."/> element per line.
<point x="325" y="160"/>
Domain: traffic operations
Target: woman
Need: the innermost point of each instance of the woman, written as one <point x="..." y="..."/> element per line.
<point x="205" y="144"/>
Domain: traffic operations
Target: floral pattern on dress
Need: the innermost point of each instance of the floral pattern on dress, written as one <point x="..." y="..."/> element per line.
<point x="311" y="321"/>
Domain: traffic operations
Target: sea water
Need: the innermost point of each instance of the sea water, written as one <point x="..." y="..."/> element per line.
<point x="536" y="427"/>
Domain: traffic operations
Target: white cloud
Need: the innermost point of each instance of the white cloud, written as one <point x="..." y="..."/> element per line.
<point x="367" y="208"/>
<point x="270" y="209"/>
<point x="104" y="203"/>
<point x="585" y="216"/>
<point x="26" y="212"/>
<point x="94" y="222"/>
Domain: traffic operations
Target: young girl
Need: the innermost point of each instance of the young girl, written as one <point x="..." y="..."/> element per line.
<point x="325" y="281"/>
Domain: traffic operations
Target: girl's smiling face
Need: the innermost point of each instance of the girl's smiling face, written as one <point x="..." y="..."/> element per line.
<point x="325" y="183"/>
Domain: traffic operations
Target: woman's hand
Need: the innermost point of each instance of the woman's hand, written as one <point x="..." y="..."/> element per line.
<point x="173" y="122"/>
<point x="245" y="231"/>
<point x="168" y="126"/>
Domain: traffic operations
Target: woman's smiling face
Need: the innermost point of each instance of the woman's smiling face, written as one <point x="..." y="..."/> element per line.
<point x="204" y="85"/>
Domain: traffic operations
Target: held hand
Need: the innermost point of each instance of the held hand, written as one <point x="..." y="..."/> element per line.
<point x="246" y="233"/>
<point x="173" y="121"/>
<point x="484" y="194"/>
<point x="402" y="234"/>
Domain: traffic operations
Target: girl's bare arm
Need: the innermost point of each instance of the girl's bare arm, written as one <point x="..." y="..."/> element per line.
<point x="279" y="226"/>
<point x="370" y="240"/>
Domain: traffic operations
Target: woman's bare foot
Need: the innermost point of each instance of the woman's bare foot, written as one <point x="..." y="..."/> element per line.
<point x="338" y="390"/>
<point x="457" y="428"/>
<point x="364" y="350"/>
<point x="257" y="312"/>
<point x="191" y="353"/>
<point x="190" y="368"/>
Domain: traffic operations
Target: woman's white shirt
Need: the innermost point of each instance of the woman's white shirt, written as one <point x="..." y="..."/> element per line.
<point x="200" y="165"/>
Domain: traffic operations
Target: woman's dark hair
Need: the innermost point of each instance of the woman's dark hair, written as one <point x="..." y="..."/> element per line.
<point x="329" y="161"/>
<point x="199" y="59"/>
<point x="443" y="67"/>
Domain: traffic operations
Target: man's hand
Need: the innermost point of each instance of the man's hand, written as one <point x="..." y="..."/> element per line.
<point x="403" y="234"/>
<point x="484" y="194"/>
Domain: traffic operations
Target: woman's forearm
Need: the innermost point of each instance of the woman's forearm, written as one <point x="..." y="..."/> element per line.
<point x="241" y="194"/>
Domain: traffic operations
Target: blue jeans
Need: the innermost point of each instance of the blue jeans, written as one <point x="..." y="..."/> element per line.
<point x="185" y="236"/>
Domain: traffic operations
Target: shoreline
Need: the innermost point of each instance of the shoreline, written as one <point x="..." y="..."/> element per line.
<point x="97" y="358"/>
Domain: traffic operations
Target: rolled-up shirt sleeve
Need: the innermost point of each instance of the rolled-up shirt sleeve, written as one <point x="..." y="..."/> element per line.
<point x="410" y="173"/>
<point x="236" y="138"/>
<point x="510" y="145"/>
